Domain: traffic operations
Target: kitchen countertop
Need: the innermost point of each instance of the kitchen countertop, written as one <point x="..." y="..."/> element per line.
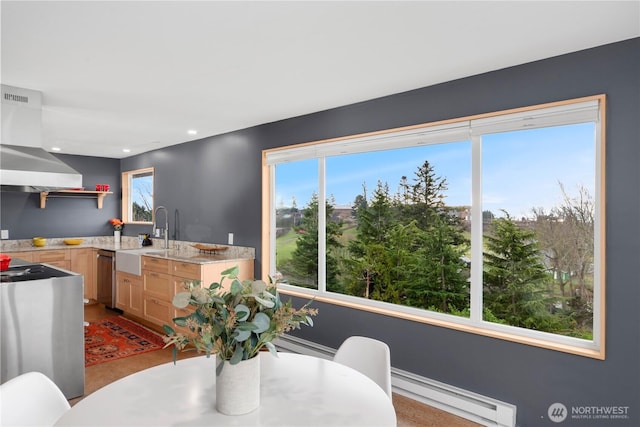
<point x="178" y="250"/>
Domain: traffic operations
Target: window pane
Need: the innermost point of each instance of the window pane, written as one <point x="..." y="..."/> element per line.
<point x="538" y="225"/>
<point x="296" y="199"/>
<point x="398" y="229"/>
<point x="142" y="197"/>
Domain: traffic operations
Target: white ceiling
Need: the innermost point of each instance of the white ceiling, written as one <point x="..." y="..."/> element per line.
<point x="138" y="75"/>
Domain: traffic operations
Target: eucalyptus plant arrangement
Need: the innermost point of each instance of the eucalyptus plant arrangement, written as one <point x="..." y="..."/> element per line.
<point x="235" y="322"/>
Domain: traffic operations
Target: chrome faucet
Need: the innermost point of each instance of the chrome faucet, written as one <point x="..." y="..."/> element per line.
<point x="166" y="225"/>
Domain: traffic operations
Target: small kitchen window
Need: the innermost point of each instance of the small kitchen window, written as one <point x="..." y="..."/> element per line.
<point x="137" y="196"/>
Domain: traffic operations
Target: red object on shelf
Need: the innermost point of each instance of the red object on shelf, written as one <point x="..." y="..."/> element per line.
<point x="102" y="187"/>
<point x="4" y="262"/>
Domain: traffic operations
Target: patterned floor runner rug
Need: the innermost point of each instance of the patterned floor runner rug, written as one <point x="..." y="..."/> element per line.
<point x="115" y="338"/>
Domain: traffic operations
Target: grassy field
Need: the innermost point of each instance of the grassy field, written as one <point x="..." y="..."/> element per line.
<point x="286" y="244"/>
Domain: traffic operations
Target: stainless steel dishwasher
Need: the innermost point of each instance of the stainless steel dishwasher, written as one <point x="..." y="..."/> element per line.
<point x="107" y="278"/>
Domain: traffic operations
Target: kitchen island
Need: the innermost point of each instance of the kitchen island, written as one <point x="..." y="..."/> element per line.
<point x="148" y="279"/>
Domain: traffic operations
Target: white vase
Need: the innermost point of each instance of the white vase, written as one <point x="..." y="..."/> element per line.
<point x="238" y="386"/>
<point x="116" y="236"/>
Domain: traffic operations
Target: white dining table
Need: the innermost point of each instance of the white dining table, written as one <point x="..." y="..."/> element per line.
<point x="295" y="390"/>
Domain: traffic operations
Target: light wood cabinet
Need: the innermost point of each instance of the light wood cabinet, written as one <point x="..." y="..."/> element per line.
<point x="83" y="261"/>
<point x="164" y="278"/>
<point x="78" y="260"/>
<point x="25" y="256"/>
<point x="129" y="293"/>
<point x="56" y="257"/>
<point x="157" y="291"/>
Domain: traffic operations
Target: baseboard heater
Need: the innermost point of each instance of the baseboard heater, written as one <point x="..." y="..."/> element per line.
<point x="472" y="406"/>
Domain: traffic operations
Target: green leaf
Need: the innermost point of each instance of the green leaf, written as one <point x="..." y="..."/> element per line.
<point x="247" y="326"/>
<point x="237" y="355"/>
<point x="242" y="311"/>
<point x="180" y="321"/>
<point x="168" y="329"/>
<point x="181" y="299"/>
<point x="264" y="302"/>
<point x="231" y="272"/>
<point x="262" y="322"/>
<point x="258" y="286"/>
<point x="272" y="348"/>
<point x="241" y="335"/>
<point x="236" y="287"/>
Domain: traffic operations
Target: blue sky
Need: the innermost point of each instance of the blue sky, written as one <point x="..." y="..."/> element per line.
<point x="521" y="170"/>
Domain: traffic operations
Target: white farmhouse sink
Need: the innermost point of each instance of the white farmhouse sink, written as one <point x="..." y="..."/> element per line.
<point x="129" y="261"/>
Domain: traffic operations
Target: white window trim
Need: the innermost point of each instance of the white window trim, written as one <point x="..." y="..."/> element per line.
<point x="588" y="109"/>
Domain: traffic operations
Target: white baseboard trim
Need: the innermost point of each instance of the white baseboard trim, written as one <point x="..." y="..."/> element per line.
<point x="472" y="406"/>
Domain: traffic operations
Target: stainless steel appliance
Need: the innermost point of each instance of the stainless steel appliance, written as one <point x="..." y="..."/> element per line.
<point x="41" y="325"/>
<point x="107" y="278"/>
<point x="24" y="164"/>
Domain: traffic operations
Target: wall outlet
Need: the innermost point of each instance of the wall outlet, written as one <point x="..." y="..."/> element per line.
<point x="4" y="234"/>
<point x="230" y="241"/>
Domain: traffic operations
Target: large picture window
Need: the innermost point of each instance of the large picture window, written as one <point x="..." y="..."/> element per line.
<point x="491" y="224"/>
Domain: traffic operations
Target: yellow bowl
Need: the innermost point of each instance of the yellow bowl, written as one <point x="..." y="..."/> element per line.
<point x="39" y="241"/>
<point x="73" y="241"/>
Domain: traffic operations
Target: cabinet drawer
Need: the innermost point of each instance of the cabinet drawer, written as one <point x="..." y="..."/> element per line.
<point x="25" y="256"/>
<point x="156" y="264"/>
<point x="66" y="265"/>
<point x="188" y="270"/>
<point x="158" y="284"/>
<point x="54" y="255"/>
<point x="178" y="285"/>
<point x="157" y="311"/>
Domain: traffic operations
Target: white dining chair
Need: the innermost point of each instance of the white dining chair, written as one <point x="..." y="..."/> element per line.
<point x="31" y="399"/>
<point x="368" y="356"/>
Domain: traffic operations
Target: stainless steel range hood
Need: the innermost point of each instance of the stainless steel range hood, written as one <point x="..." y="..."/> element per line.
<point x="32" y="169"/>
<point x="24" y="164"/>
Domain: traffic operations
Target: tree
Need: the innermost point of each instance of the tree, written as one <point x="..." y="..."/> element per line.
<point x="367" y="250"/>
<point x="141" y="213"/>
<point x="305" y="256"/>
<point x="424" y="199"/>
<point x="440" y="277"/>
<point x="566" y="236"/>
<point x="514" y="276"/>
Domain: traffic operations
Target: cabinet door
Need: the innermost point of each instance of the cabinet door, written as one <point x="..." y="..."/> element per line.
<point x="136" y="300"/>
<point x="123" y="291"/>
<point x="157" y="311"/>
<point x="129" y="293"/>
<point x="158" y="285"/>
<point x="83" y="261"/>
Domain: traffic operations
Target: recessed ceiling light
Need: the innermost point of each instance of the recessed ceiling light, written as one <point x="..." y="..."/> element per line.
<point x="126" y="150"/>
<point x="56" y="149"/>
<point x="192" y="132"/>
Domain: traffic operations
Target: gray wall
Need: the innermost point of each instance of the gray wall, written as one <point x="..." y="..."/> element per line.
<point x="20" y="213"/>
<point x="215" y="186"/>
<point x="212" y="187"/>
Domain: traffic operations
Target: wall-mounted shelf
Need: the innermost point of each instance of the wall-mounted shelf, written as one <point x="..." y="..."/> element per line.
<point x="99" y="195"/>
